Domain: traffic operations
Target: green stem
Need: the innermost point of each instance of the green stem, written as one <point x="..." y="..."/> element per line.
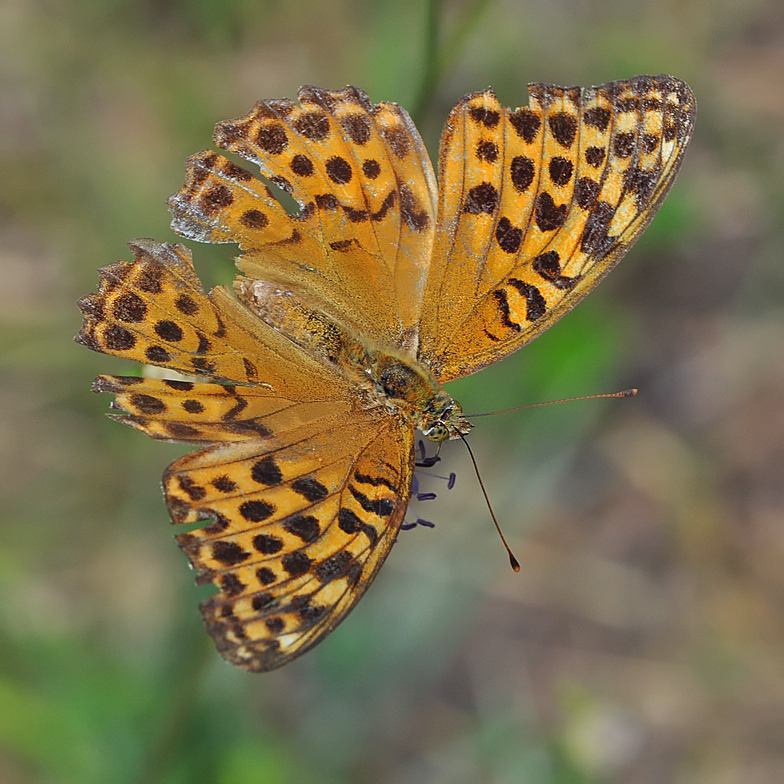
<point x="437" y="60"/>
<point x="430" y="70"/>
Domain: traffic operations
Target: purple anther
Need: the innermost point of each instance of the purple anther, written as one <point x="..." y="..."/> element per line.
<point x="424" y="479"/>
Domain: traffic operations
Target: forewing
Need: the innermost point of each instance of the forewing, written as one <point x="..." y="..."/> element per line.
<point x="305" y="501"/>
<point x="361" y="243"/>
<point x="536" y="206"/>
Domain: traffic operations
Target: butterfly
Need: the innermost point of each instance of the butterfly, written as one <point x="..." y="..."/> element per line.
<point x="303" y="386"/>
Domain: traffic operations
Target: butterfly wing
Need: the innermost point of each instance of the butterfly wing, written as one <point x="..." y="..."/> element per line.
<point x="305" y="500"/>
<point x="153" y="310"/>
<point x="361" y="244"/>
<point x="306" y="488"/>
<point x="537" y="205"/>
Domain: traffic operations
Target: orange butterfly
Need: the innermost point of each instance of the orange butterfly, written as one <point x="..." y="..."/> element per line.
<point x="350" y="315"/>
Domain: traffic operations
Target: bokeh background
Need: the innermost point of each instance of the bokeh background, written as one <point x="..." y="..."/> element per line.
<point x="643" y="641"/>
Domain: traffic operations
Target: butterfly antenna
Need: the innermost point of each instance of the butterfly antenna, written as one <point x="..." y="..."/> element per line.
<point x="512" y="560"/>
<point x="623" y="393"/>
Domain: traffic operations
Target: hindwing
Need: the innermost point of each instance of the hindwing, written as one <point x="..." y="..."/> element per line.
<point x="304" y="502"/>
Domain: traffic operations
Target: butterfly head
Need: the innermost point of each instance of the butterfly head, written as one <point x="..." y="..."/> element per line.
<point x="443" y="419"/>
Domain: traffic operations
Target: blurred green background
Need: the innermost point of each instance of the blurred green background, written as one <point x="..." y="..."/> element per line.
<point x="643" y="641"/>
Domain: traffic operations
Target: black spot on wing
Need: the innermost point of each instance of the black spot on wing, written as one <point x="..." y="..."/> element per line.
<point x="254" y="219"/>
<point x="313" y="125"/>
<point x="235" y="410"/>
<point x="349" y="523"/>
<point x="118" y="338"/>
<point x="334" y="567"/>
<point x="536" y="306"/>
<point x="595" y="240"/>
<point x="224" y="484"/>
<point x="129" y="307"/>
<point x="366" y="479"/>
<point x="357" y="128"/>
<point x="232" y="585"/>
<point x="522" y="171"/>
<point x="310" y="489"/>
<point x="339" y="170"/>
<point x="301" y="165"/>
<point x="305" y="527"/>
<point x="256" y="511"/>
<point x="386" y="206"/>
<point x="382" y="507"/>
<point x="503" y="307"/>
<point x="560" y="170"/>
<point x="487" y="151"/>
<point x="296" y="564"/>
<point x="624" y="144"/>
<point x="549" y="267"/>
<point x="275" y="624"/>
<point x="594" y="156"/>
<point x="484" y="116"/>
<point x="563" y="126"/>
<point x="185" y="304"/>
<point x="194" y="491"/>
<point x="266" y="472"/>
<point x="267" y="544"/>
<point x="168" y="331"/>
<point x="147" y="404"/>
<point x="411" y="210"/>
<point x="272" y="138"/>
<point x="549" y="215"/>
<point x="508" y="236"/>
<point x="371" y="168"/>
<point x="586" y="192"/>
<point x="526" y="124"/>
<point x="597" y="117"/>
<point x="481" y="198"/>
<point x="229" y="553"/>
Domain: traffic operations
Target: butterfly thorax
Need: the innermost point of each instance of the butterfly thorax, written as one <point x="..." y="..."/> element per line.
<point x="412" y="388"/>
<point x="386" y="377"/>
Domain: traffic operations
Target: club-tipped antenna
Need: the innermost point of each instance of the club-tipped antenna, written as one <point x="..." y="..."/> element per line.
<point x="512" y="560"/>
<point x="623" y="393"/>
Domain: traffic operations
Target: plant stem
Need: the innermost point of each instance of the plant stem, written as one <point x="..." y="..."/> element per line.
<point x="438" y="59"/>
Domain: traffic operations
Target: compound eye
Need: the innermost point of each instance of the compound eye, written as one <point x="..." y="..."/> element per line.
<point x="436" y="433"/>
